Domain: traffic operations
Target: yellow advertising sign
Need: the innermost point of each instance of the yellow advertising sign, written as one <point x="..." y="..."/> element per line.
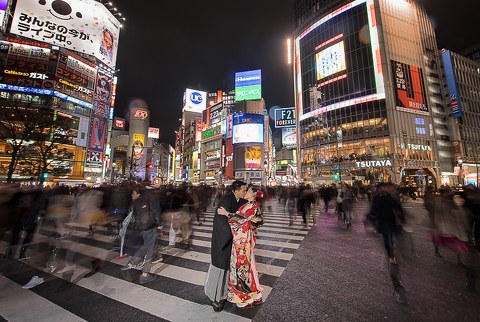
<point x="139" y="137"/>
<point x="253" y="157"/>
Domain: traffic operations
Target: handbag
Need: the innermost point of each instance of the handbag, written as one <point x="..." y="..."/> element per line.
<point x="339" y="198"/>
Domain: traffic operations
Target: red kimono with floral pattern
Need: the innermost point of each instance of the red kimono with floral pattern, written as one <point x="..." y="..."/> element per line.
<point x="243" y="284"/>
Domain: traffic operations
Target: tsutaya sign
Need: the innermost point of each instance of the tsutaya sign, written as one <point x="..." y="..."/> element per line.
<point x="374" y="164"/>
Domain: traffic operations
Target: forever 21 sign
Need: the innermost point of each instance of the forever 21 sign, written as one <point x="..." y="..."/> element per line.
<point x="285" y="117"/>
<point x="140" y="114"/>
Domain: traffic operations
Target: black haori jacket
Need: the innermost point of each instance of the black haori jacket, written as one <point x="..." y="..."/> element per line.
<point x="222" y="235"/>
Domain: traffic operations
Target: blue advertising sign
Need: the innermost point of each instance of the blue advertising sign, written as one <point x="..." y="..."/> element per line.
<point x="452" y="84"/>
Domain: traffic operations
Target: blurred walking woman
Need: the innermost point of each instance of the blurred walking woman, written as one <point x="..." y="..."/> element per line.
<point x="244" y="288"/>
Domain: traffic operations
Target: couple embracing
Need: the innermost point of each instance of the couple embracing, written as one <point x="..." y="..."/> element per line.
<point x="232" y="275"/>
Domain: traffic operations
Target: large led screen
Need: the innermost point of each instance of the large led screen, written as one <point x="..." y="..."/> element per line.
<point x="248" y="128"/>
<point x="338" y="60"/>
<point x="82" y="25"/>
<point x="330" y="60"/>
<point x="248" y="133"/>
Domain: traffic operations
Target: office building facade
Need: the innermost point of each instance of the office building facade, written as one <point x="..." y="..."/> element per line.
<point x="369" y="94"/>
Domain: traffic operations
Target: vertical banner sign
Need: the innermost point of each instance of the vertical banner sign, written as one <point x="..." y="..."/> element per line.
<point x="99" y="119"/>
<point x="453" y="91"/>
<point x="409" y="88"/>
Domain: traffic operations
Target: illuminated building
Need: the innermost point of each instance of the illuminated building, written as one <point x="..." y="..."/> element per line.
<point x="463" y="83"/>
<point x="369" y="93"/>
<point x="74" y="65"/>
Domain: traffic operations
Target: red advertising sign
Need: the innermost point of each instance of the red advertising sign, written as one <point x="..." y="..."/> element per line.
<point x="119" y="123"/>
<point x="410" y="88"/>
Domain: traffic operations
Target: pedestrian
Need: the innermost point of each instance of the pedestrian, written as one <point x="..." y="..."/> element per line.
<point x="390" y="219"/>
<point x="450" y="225"/>
<point x="244" y="288"/>
<point x="144" y="223"/>
<point x="217" y="276"/>
<point x="347" y="203"/>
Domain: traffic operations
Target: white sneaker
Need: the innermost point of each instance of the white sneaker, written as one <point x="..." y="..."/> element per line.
<point x="33" y="282"/>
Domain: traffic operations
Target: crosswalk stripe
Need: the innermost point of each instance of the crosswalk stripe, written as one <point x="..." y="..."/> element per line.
<point x="154" y="302"/>
<point x="18" y="304"/>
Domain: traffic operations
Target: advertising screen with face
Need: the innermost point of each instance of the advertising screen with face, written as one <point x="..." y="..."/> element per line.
<point x="81" y="25"/>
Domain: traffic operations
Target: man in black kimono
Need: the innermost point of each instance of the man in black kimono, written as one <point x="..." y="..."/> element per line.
<point x="217" y="276"/>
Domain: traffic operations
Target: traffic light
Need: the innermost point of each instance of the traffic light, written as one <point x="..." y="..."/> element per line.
<point x="44" y="175"/>
<point x="335" y="176"/>
<point x="150" y="166"/>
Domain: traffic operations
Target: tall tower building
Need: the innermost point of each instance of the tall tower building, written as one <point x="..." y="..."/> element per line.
<point x="369" y="94"/>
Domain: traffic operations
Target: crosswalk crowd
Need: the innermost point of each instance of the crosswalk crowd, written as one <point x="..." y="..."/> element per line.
<point x="137" y="215"/>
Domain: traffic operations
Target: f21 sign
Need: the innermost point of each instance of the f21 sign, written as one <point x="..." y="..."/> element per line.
<point x="285" y="117"/>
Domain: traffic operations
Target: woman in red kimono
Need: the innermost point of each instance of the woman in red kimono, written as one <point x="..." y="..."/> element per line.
<point x="244" y="288"/>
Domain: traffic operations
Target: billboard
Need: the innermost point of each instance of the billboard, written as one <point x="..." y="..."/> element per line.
<point x="409" y="88"/>
<point x="289" y="137"/>
<point x="153" y="132"/>
<point x="3" y="8"/>
<point x="338" y="60"/>
<point x="455" y="102"/>
<point x="253" y="157"/>
<point x="26" y="65"/>
<point x="248" y="128"/>
<point x="285" y="117"/>
<point x="194" y="101"/>
<point x="75" y="76"/>
<point x="83" y="25"/>
<point x="138" y="144"/>
<point x="330" y="60"/>
<point x="118" y="123"/>
<point x="248" y="85"/>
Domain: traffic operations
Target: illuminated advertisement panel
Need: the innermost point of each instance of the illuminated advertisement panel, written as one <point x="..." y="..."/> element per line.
<point x="409" y="88"/>
<point x="25" y="65"/>
<point x="76" y="77"/>
<point x="289" y="137"/>
<point x="248" y="128"/>
<point x="455" y="102"/>
<point x="118" y="123"/>
<point x="253" y="157"/>
<point x="194" y="101"/>
<point x="82" y="25"/>
<point x="346" y="65"/>
<point x="153" y="132"/>
<point x="215" y="113"/>
<point x="285" y="117"/>
<point x="248" y="85"/>
<point x="3" y="8"/>
<point x="330" y="60"/>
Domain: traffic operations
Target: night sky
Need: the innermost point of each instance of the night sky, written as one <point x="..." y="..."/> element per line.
<point x="201" y="44"/>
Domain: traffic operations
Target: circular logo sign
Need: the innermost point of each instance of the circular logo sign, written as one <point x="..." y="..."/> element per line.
<point x="196" y="98"/>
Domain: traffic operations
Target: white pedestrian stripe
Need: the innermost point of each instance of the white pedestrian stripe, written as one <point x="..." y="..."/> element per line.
<point x="18" y="304"/>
